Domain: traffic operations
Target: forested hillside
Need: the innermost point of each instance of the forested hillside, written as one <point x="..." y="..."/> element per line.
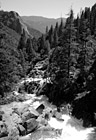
<point x="72" y="64"/>
<point x="14" y="56"/>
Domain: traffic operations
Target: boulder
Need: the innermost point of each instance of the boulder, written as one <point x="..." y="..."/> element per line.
<point x="22" y="130"/>
<point x="31" y="113"/>
<point x="42" y="121"/>
<point x="40" y="108"/>
<point x="30" y="125"/>
<point x="21" y="109"/>
<point x="0" y="117"/>
<point x="57" y="114"/>
<point x="16" y="118"/>
<point x="27" y="115"/>
<point x="3" y="129"/>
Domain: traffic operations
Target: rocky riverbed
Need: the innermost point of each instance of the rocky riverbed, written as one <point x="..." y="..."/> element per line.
<point x="37" y="119"/>
<point x="34" y="118"/>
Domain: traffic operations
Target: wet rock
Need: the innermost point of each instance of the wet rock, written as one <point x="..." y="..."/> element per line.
<point x="57" y="114"/>
<point x="16" y="118"/>
<point x="42" y="121"/>
<point x="0" y="117"/>
<point x="58" y="131"/>
<point x="20" y="109"/>
<point x="31" y="113"/>
<point x="3" y="130"/>
<point x="27" y="115"/>
<point x="40" y="108"/>
<point x="30" y="125"/>
<point x="34" y="112"/>
<point x="22" y="130"/>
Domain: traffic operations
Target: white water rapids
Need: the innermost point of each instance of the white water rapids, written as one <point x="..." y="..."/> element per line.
<point x="69" y="132"/>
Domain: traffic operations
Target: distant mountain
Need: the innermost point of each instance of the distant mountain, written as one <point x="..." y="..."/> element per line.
<point x="35" y="33"/>
<point x="40" y="23"/>
<point x="14" y="21"/>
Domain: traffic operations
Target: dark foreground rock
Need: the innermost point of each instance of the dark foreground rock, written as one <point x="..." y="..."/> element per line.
<point x="3" y="129"/>
<point x="22" y="130"/>
<point x="40" y="108"/>
<point x="30" y="125"/>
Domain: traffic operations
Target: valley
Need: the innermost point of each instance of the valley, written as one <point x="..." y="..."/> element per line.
<point x="48" y="76"/>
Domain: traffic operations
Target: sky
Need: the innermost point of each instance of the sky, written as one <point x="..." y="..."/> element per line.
<point x="45" y="8"/>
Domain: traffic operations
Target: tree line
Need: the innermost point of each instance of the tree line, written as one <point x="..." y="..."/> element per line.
<point x="72" y="55"/>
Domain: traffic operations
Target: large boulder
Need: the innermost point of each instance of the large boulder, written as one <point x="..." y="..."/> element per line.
<point x="16" y="118"/>
<point x="27" y="115"/>
<point x="34" y="112"/>
<point x="20" y="108"/>
<point x="30" y="125"/>
<point x="57" y="114"/>
<point x="22" y="130"/>
<point x="3" y="129"/>
<point x="30" y="113"/>
<point x="40" y="108"/>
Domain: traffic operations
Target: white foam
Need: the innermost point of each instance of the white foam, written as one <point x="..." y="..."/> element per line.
<point x="68" y="132"/>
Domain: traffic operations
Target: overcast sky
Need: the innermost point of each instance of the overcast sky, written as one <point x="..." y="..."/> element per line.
<point x="45" y="8"/>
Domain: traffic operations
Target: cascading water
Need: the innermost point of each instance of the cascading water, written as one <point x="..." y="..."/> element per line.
<point x="68" y="132"/>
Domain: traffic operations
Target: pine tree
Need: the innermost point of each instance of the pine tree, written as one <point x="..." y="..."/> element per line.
<point x="69" y="43"/>
<point x="93" y="19"/>
<point x="29" y="50"/>
<point x="84" y="40"/>
<point x="55" y="39"/>
<point x="50" y="35"/>
<point x="60" y="28"/>
<point x="22" y="41"/>
<point x="23" y="64"/>
<point x="46" y="30"/>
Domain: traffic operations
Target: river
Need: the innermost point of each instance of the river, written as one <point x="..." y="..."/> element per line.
<point x="68" y="131"/>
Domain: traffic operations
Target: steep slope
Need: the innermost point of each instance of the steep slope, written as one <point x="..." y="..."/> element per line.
<point x="12" y="60"/>
<point x="10" y="37"/>
<point x="9" y="72"/>
<point x="35" y="33"/>
<point x="40" y="23"/>
<point x="14" y="21"/>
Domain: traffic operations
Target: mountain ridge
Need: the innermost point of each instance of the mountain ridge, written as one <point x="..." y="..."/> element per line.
<point x="14" y="21"/>
<point x="40" y="22"/>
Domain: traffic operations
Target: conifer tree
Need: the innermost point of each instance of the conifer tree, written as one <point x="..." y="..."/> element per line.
<point x="22" y="41"/>
<point x="29" y="50"/>
<point x="69" y="43"/>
